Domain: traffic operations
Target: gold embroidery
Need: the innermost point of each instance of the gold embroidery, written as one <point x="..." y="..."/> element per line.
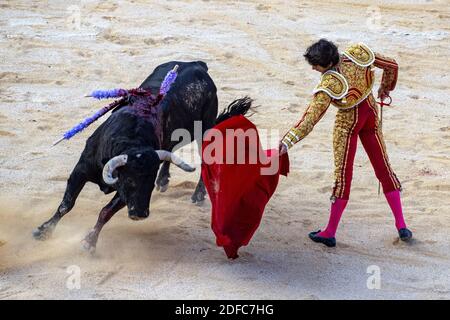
<point x="360" y="81"/>
<point x="373" y="105"/>
<point x="333" y="84"/>
<point x="390" y="71"/>
<point x="360" y="54"/>
<point x="346" y="88"/>
<point x="343" y="128"/>
<point x="312" y="115"/>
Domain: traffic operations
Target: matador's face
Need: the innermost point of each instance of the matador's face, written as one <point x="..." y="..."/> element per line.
<point x="320" y="68"/>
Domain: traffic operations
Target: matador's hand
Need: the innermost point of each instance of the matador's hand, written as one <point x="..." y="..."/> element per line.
<point x="282" y="149"/>
<point x="383" y="93"/>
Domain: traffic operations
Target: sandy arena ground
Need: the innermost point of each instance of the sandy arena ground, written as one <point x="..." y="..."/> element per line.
<point x="54" y="53"/>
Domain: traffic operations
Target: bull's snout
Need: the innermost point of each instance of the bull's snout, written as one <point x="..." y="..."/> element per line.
<point x="138" y="214"/>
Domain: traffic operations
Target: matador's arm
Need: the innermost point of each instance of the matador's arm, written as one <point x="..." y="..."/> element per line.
<point x="315" y="111"/>
<point x="390" y="71"/>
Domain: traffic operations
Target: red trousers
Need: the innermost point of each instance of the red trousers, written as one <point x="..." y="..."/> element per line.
<point x="361" y="121"/>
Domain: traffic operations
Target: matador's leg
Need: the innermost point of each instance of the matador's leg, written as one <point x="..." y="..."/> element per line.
<point x="373" y="142"/>
<point x="345" y="142"/>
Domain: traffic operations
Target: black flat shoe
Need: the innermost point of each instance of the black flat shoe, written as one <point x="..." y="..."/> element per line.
<point x="329" y="242"/>
<point x="405" y="234"/>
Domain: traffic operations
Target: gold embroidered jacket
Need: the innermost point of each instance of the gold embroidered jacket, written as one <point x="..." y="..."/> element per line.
<point x="349" y="83"/>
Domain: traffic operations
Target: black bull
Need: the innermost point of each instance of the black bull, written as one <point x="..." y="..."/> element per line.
<point x="124" y="153"/>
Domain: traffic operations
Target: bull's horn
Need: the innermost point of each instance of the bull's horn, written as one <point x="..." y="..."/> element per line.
<point x="169" y="156"/>
<point x="111" y="166"/>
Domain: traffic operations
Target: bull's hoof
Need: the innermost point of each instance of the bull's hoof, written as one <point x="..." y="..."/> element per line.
<point x="89" y="243"/>
<point x="199" y="194"/>
<point x="43" y="232"/>
<point x="88" y="247"/>
<point x="198" y="197"/>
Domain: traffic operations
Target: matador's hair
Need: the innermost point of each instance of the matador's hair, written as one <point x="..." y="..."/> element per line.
<point x="322" y="53"/>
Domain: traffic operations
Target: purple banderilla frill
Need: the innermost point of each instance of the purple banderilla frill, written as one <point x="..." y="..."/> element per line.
<point x="115" y="93"/>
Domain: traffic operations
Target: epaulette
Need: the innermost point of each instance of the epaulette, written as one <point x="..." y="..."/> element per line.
<point x="360" y="54"/>
<point x="334" y="84"/>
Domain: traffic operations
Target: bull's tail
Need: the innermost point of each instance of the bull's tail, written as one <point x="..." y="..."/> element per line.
<point x="237" y="107"/>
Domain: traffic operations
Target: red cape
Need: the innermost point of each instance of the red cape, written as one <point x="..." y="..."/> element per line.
<point x="238" y="192"/>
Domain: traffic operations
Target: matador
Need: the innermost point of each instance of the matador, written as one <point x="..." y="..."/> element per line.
<point x="346" y="82"/>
